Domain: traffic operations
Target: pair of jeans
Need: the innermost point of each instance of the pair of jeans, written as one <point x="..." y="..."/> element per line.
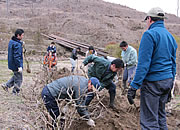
<point x="128" y="75"/>
<point x="154" y="96"/>
<point x="16" y="81"/>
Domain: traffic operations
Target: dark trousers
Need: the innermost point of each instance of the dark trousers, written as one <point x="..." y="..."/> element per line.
<point x="112" y="92"/>
<point x="154" y="96"/>
<point x="15" y="81"/>
<point x="50" y="103"/>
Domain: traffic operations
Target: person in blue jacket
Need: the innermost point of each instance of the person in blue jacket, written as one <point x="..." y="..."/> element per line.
<point x="155" y="72"/>
<point x="52" y="48"/>
<point x="77" y="86"/>
<point x="15" y="61"/>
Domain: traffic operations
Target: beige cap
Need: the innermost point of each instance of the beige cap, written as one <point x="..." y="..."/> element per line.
<point x="156" y="12"/>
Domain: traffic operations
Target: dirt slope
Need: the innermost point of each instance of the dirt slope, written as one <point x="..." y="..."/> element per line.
<point x="26" y="110"/>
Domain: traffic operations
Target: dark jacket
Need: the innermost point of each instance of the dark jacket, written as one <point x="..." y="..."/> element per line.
<point x="72" y="84"/>
<point x="15" y="55"/>
<point x="157" y="55"/>
<point x="99" y="69"/>
<point x="51" y="48"/>
<point x="74" y="54"/>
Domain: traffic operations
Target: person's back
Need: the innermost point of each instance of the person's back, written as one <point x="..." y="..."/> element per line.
<point x="155" y="71"/>
<point x="61" y="85"/>
<point x="98" y="69"/>
<point x="163" y="55"/>
<point x="72" y="88"/>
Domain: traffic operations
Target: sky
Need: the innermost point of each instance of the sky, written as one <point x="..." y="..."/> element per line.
<point x="168" y="6"/>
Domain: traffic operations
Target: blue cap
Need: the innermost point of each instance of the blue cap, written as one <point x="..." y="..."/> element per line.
<point x="95" y="82"/>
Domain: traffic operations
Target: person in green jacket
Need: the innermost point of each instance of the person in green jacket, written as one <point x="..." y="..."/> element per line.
<point x="104" y="71"/>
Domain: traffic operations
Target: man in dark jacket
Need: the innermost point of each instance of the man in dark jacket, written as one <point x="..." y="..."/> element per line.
<point x="52" y="48"/>
<point x="74" y="57"/>
<point x="155" y="72"/>
<point x="15" y="61"/>
<point x="105" y="71"/>
<point x="61" y="88"/>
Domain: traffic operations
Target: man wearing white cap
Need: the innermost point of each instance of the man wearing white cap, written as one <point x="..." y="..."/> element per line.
<point x="155" y="72"/>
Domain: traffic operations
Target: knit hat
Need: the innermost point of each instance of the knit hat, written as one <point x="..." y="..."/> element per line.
<point x="95" y="82"/>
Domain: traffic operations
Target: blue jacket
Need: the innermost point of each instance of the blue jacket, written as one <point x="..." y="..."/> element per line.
<point x="15" y="55"/>
<point x="157" y="55"/>
<point x="75" y="85"/>
<point x="51" y="48"/>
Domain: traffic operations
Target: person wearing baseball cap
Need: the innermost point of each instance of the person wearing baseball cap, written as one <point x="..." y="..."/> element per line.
<point x="155" y="72"/>
<point x="156" y="12"/>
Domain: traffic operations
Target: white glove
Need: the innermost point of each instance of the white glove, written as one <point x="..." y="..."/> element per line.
<point x="23" y="43"/>
<point x="82" y="66"/>
<point x="65" y="109"/>
<point x="90" y="122"/>
<point x="20" y="69"/>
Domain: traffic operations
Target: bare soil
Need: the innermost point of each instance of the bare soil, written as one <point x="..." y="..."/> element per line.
<point x="26" y="110"/>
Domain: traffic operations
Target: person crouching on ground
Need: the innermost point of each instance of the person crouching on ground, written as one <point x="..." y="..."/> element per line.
<point x="60" y="88"/>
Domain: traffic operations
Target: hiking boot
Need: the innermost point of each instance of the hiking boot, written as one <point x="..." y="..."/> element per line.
<point x="4" y="87"/>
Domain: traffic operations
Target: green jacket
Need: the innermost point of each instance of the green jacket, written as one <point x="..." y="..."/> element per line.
<point x="101" y="65"/>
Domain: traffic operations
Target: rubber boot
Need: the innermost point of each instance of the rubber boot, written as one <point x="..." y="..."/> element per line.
<point x="112" y="98"/>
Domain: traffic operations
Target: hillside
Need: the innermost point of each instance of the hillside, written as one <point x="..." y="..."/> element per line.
<point x="94" y="22"/>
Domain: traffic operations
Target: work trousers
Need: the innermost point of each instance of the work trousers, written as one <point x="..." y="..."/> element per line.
<point x="73" y="63"/>
<point x="15" y="81"/>
<point x="154" y="95"/>
<point x="129" y="74"/>
<point x="50" y="103"/>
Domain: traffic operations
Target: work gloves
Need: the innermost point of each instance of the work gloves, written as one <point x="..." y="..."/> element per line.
<point x="131" y="95"/>
<point x="20" y="69"/>
<point x="90" y="122"/>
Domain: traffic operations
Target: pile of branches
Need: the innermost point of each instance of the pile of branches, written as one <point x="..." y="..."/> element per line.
<point x="39" y="118"/>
